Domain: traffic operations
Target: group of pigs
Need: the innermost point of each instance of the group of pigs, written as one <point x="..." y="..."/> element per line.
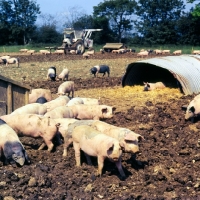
<point x="73" y="120"/>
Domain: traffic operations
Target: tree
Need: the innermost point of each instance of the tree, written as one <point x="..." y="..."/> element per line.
<point x="119" y="14"/>
<point x="196" y="11"/>
<point x="18" y="17"/>
<point x="157" y="20"/>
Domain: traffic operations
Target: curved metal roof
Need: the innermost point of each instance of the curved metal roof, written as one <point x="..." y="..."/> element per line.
<point x="185" y="68"/>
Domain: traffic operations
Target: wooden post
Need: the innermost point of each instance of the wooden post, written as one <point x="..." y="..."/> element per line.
<point x="9" y="98"/>
<point x="26" y="96"/>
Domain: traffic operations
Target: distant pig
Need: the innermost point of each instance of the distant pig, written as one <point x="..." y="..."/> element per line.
<point x="153" y="86"/>
<point x="94" y="112"/>
<point x="66" y="87"/>
<point x="51" y="73"/>
<point x="59" y="101"/>
<point x="60" y="112"/>
<point x="128" y="139"/>
<point x="33" y="126"/>
<point x="10" y="145"/>
<point x="64" y="75"/>
<point x="39" y="92"/>
<point x="33" y="108"/>
<point x="100" y="69"/>
<point x="94" y="143"/>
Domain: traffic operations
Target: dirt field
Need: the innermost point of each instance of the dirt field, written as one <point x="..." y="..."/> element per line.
<point x="167" y="166"/>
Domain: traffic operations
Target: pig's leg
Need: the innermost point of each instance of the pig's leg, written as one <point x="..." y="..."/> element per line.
<point x="72" y="93"/>
<point x="67" y="142"/>
<point x="42" y="146"/>
<point x="119" y="167"/>
<point x="89" y="162"/>
<point x="100" y="165"/>
<point x="49" y="144"/>
<point x="77" y="153"/>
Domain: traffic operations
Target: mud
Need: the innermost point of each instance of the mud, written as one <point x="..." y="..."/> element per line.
<point x="167" y="166"/>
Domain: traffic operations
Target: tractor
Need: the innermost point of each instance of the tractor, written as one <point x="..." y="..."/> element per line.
<point x="77" y="40"/>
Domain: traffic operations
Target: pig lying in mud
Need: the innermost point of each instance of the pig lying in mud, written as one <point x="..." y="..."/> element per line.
<point x="153" y="86"/>
<point x="66" y="88"/>
<point x="193" y="109"/>
<point x="94" y="143"/>
<point x="10" y="146"/>
<point x="33" y="126"/>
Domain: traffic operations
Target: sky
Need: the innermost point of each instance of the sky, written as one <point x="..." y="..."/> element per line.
<point x="60" y="6"/>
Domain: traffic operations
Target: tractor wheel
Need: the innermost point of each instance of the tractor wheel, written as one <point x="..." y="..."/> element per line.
<point x="80" y="47"/>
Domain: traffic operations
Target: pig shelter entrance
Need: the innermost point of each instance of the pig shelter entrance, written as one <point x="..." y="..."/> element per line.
<point x="143" y="72"/>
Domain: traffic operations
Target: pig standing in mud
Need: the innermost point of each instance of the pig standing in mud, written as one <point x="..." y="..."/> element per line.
<point x="94" y="143"/>
<point x="51" y="73"/>
<point x="153" y="86"/>
<point x="64" y="75"/>
<point x="33" y="126"/>
<point x="40" y="92"/>
<point x="66" y="87"/>
<point x="10" y="145"/>
<point x="100" y="69"/>
<point x="94" y="112"/>
<point x="193" y="109"/>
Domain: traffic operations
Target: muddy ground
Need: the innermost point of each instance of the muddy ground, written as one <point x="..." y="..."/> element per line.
<point x="167" y="166"/>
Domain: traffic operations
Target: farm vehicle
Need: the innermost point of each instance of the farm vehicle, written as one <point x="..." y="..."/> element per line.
<point x="77" y="40"/>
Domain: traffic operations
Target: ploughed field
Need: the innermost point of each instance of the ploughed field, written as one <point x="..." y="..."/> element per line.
<point x="167" y="167"/>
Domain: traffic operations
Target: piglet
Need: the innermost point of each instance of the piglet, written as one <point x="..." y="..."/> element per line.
<point x="66" y="87"/>
<point x="51" y="73"/>
<point x="153" y="86"/>
<point x="11" y="146"/>
<point x="64" y="75"/>
<point x="94" y="143"/>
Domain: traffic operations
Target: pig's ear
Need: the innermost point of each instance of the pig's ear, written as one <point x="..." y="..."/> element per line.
<point x="110" y="146"/>
<point x="104" y="110"/>
<point x="192" y="109"/>
<point x="144" y="83"/>
<point x="140" y="138"/>
<point x="184" y="107"/>
<point x="114" y="108"/>
<point x="122" y="144"/>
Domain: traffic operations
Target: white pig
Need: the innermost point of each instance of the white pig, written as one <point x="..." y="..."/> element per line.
<point x="90" y="101"/>
<point x="64" y="75"/>
<point x="153" y="86"/>
<point x="94" y="143"/>
<point x="75" y="101"/>
<point x="66" y="87"/>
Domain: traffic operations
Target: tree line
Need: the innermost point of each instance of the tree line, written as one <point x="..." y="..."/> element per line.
<point x="148" y="22"/>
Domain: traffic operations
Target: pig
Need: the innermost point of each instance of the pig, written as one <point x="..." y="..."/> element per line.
<point x="94" y="143"/>
<point x="66" y="87"/>
<point x="12" y="61"/>
<point x="51" y="73"/>
<point x="193" y="109"/>
<point x="35" y="126"/>
<point x="39" y="92"/>
<point x="59" y="101"/>
<point x="100" y="69"/>
<point x="75" y="101"/>
<point x="10" y="146"/>
<point x="2" y="61"/>
<point x="64" y="75"/>
<point x="90" y="101"/>
<point x="128" y="139"/>
<point x="60" y="112"/>
<point x="153" y="86"/>
<point x="33" y="108"/>
<point x="94" y="112"/>
<point x="41" y="100"/>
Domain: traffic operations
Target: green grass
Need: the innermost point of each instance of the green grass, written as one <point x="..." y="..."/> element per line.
<point x="186" y="49"/>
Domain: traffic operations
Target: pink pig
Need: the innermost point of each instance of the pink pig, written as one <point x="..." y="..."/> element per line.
<point x="95" y="112"/>
<point x="128" y="139"/>
<point x="33" y="126"/>
<point x="33" y="108"/>
<point x="36" y="93"/>
<point x="153" y="86"/>
<point x="60" y="112"/>
<point x="64" y="74"/>
<point x="60" y="101"/>
<point x="94" y="143"/>
<point x="66" y="87"/>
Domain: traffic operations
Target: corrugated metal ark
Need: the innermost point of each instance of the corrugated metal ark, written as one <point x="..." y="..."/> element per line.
<point x="186" y="69"/>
